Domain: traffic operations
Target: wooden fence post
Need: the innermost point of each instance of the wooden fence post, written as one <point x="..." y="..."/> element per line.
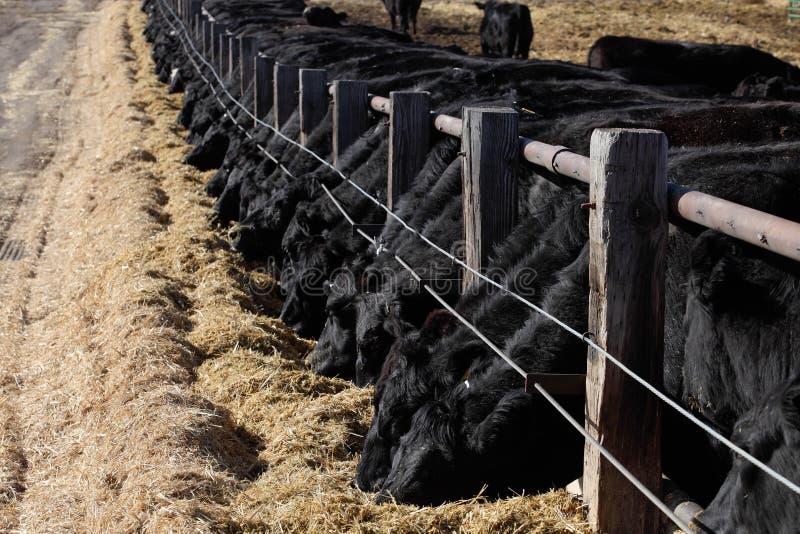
<point x="195" y="8"/>
<point x="409" y="140"/>
<point x="350" y="114"/>
<point x="262" y="90"/>
<point x="489" y="181"/>
<point x="287" y="87"/>
<point x="216" y="31"/>
<point x="233" y="62"/>
<point x="313" y="100"/>
<point x="207" y="39"/>
<point x="247" y="50"/>
<point x="628" y="236"/>
<point x="222" y="64"/>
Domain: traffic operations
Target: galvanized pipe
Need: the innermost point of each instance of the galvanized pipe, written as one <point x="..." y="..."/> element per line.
<point x="769" y="232"/>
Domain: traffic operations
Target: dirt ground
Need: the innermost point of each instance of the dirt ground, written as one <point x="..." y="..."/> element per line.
<point x="145" y="384"/>
<point x="565" y="29"/>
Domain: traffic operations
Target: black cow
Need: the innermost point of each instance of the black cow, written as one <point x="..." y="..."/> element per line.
<point x="718" y="66"/>
<point x="406" y="10"/>
<point x="323" y="16"/>
<point x="480" y="433"/>
<point x="750" y="500"/>
<point x="506" y="29"/>
<point x="421" y="364"/>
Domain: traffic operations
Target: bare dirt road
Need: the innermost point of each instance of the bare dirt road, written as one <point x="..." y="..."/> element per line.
<point x="37" y="62"/>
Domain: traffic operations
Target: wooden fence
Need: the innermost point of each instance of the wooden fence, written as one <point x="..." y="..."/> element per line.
<point x="630" y="202"/>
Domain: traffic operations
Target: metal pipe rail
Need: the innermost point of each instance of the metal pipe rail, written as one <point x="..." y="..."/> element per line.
<point x="757" y="228"/>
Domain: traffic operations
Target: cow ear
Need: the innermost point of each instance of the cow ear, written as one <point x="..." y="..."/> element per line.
<point x="494" y="434"/>
<point x="480" y="5"/>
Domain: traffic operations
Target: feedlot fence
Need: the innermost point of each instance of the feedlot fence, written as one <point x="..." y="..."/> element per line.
<point x="630" y="205"/>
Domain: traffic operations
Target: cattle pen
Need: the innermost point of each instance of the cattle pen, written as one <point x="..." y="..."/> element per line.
<point x="630" y="206"/>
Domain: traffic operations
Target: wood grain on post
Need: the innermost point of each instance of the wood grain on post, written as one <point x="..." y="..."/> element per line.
<point x="350" y="115"/>
<point x="247" y="50"/>
<point x="195" y="8"/>
<point x="233" y="62"/>
<point x="216" y="31"/>
<point x="313" y="100"/>
<point x="286" y="92"/>
<point x="207" y="39"/>
<point x="489" y="181"/>
<point x="409" y="140"/>
<point x="262" y="89"/>
<point x="628" y="236"/>
<point x="222" y="64"/>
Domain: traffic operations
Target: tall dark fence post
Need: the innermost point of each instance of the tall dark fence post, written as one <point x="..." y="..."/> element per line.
<point x="628" y="236"/>
<point x="233" y="62"/>
<point x="313" y="100"/>
<point x="216" y="31"/>
<point x="206" y="38"/>
<point x="247" y="51"/>
<point x="287" y="86"/>
<point x="409" y="140"/>
<point x="222" y="64"/>
<point x="489" y="181"/>
<point x="350" y="118"/>
<point x="262" y="91"/>
<point x="195" y="8"/>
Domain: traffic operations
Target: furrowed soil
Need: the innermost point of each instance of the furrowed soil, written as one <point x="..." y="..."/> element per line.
<point x="145" y="383"/>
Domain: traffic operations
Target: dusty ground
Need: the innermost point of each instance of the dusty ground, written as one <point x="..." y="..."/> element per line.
<point x="565" y="29"/>
<point x="144" y="383"/>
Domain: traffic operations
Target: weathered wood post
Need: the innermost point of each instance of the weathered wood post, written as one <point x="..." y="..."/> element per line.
<point x="350" y="115"/>
<point x="313" y="100"/>
<point x="233" y="63"/>
<point x="628" y="236"/>
<point x="207" y="39"/>
<point x="195" y="8"/>
<point x="489" y="181"/>
<point x="287" y="87"/>
<point x="409" y="140"/>
<point x="197" y="30"/>
<point x="247" y="50"/>
<point x="216" y="31"/>
<point x="262" y="90"/>
<point x="222" y="64"/>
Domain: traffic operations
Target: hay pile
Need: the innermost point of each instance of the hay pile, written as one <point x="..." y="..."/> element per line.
<point x="565" y="29"/>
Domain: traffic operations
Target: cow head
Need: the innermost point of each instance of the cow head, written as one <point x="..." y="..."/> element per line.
<point x="335" y="352"/>
<point x="257" y="237"/>
<point x="400" y="390"/>
<point x="374" y="334"/>
<point x="425" y="468"/>
<point x="302" y="282"/>
<point x="750" y="500"/>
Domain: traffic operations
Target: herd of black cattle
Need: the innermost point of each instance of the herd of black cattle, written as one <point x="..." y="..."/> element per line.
<point x="450" y="416"/>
